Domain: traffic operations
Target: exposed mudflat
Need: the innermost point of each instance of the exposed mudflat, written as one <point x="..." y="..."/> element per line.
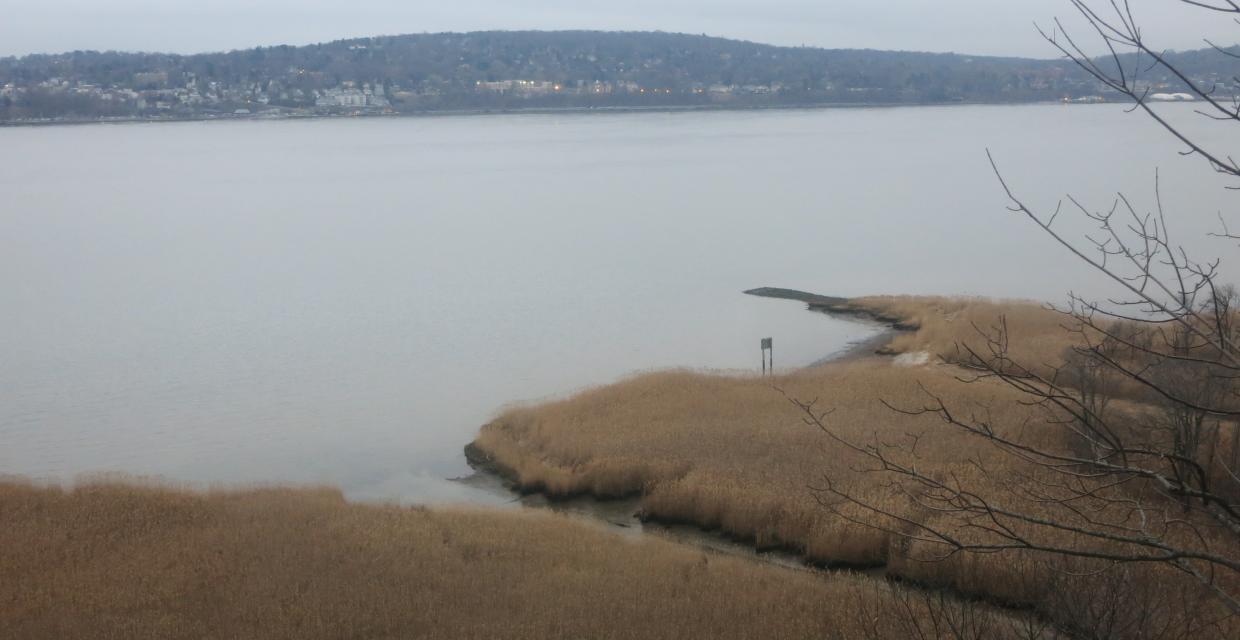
<point x="843" y="309"/>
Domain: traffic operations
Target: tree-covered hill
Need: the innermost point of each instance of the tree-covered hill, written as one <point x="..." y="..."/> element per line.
<point x="511" y="69"/>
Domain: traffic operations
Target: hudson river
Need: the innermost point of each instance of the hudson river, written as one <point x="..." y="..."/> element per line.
<point x="347" y="301"/>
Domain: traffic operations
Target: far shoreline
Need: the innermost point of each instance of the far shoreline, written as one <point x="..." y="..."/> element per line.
<point x="531" y="111"/>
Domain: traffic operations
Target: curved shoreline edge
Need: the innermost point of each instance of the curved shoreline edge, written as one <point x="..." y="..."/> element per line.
<point x="627" y="513"/>
<point x="843" y="308"/>
<point x="485" y="464"/>
<point x="630" y="513"/>
<point x="846" y="309"/>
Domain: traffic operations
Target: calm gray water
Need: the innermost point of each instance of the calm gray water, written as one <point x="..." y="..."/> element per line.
<point x="347" y="301"/>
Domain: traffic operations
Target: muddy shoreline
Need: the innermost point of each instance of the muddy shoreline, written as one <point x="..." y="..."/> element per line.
<point x="835" y="306"/>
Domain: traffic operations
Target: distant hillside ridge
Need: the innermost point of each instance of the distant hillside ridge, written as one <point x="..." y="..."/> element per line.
<point x="513" y="70"/>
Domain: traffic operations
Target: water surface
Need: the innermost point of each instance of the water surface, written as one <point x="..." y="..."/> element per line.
<point x="346" y="301"/>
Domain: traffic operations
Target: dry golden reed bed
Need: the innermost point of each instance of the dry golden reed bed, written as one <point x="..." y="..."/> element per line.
<point x="722" y="451"/>
<point x="129" y="561"/>
<point x="944" y="322"/>
<point x="733" y="453"/>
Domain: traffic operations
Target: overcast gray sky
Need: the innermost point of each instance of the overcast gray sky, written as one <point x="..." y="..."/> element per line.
<point x="996" y="27"/>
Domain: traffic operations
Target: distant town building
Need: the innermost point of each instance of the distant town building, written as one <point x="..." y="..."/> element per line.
<point x="1171" y="97"/>
<point x="519" y="87"/>
<point x="349" y="95"/>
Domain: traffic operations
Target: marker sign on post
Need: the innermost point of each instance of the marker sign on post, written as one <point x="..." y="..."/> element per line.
<point x="767" y="345"/>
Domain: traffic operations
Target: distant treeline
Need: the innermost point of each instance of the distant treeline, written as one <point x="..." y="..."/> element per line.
<point x="530" y="69"/>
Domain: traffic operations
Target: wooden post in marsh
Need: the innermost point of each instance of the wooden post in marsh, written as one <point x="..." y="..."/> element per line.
<point x="767" y="345"/>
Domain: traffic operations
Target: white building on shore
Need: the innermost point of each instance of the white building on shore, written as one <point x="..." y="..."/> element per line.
<point x="349" y="95"/>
